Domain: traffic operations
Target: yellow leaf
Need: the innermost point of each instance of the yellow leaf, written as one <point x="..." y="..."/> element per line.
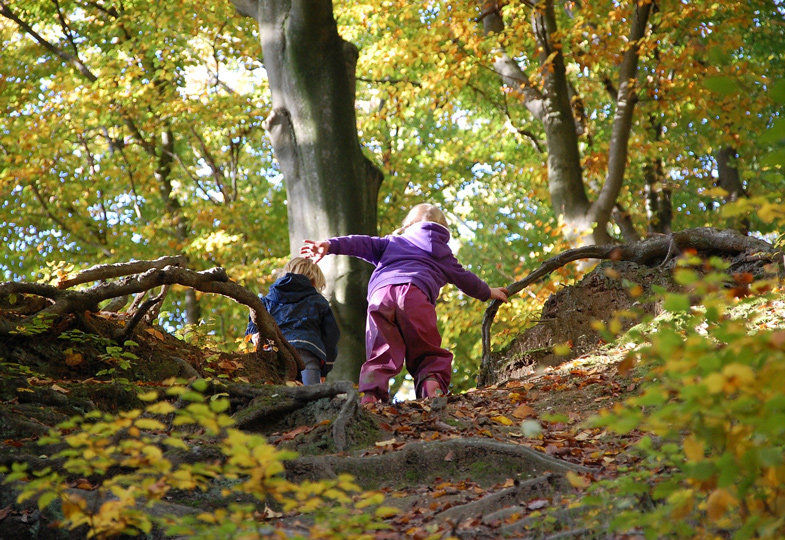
<point x="149" y="423"/>
<point x="162" y="407"/>
<point x="718" y="503"/>
<point x="72" y="505"/>
<point x="737" y="376"/>
<point x="693" y="448"/>
<point x="714" y="382"/>
<point x="385" y="512"/>
<point x="503" y="420"/>
<point x="577" y="481"/>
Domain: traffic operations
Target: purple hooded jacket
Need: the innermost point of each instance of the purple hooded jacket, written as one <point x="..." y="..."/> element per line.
<point x="419" y="256"/>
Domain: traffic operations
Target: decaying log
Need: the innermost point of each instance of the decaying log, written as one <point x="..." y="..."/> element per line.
<point x="651" y="251"/>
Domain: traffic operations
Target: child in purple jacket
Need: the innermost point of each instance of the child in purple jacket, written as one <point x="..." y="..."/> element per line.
<point x="411" y="268"/>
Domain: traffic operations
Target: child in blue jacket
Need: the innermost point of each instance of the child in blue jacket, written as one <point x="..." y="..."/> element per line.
<point x="304" y="316"/>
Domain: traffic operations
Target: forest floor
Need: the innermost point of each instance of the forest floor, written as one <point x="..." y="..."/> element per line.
<point x="507" y="460"/>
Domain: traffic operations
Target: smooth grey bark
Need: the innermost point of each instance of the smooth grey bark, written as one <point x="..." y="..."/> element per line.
<point x="565" y="175"/>
<point x="331" y="186"/>
<point x="586" y="222"/>
<point x="622" y="122"/>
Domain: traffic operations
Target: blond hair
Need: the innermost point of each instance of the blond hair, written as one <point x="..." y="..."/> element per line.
<point x="423" y="212"/>
<point x="308" y="268"/>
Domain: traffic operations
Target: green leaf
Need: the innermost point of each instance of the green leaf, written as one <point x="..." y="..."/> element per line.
<point x="722" y="85"/>
<point x="676" y="303"/>
<point x="200" y="385"/>
<point x="46" y="499"/>
<point x="775" y="133"/>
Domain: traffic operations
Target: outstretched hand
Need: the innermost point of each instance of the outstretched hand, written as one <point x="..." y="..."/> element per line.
<point x="315" y="250"/>
<point x="499" y="293"/>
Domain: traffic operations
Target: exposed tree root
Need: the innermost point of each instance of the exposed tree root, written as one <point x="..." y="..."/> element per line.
<point x="453" y="457"/>
<point x="652" y="251"/>
<point x="269" y="403"/>
<point x="539" y="485"/>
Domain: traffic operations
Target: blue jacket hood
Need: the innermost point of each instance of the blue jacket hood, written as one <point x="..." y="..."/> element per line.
<point x="290" y="289"/>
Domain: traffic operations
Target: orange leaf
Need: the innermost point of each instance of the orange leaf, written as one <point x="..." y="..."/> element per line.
<point x="74" y="359"/>
<point x="523" y="411"/>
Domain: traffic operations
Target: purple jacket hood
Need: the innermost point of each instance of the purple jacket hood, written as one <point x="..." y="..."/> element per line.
<point x="420" y="256"/>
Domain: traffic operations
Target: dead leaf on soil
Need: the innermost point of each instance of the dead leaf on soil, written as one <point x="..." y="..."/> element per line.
<point x="58" y="388"/>
<point x="4" y="512"/>
<point x="449" y="456"/>
<point x="74" y="359"/>
<point x="84" y="483"/>
<point x="626" y="365"/>
<point x="155" y="333"/>
<point x="503" y="420"/>
<point x="523" y="411"/>
<point x="388" y="442"/>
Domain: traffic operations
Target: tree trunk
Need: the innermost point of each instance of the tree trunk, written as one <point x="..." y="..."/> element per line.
<point x="659" y="209"/>
<point x="585" y="222"/>
<point x="331" y="187"/>
<point x="729" y="179"/>
<point x="565" y="176"/>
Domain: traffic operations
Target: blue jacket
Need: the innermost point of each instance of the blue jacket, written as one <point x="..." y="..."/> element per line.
<point x="304" y="316"/>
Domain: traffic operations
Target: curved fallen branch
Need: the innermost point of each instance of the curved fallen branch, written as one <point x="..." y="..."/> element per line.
<point x="108" y="271"/>
<point x="214" y="280"/>
<point x="651" y="251"/>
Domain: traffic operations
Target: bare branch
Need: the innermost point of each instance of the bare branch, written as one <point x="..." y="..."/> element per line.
<point x="108" y="271"/>
<point x="5" y="10"/>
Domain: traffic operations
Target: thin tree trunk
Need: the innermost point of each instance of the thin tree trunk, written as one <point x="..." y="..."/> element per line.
<point x="331" y="187"/>
<point x="729" y="179"/>
<point x="565" y="175"/>
<point x="622" y="123"/>
<point x="659" y="209"/>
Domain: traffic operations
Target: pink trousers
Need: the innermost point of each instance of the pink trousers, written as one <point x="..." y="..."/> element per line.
<point x="401" y="327"/>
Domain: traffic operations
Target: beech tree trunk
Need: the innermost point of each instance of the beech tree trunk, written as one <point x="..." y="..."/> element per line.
<point x="331" y="187"/>
<point x="585" y="222"/>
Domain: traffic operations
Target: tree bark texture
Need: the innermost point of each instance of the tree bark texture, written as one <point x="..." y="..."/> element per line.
<point x="585" y="222"/>
<point x="729" y="179"/>
<point x="659" y="208"/>
<point x="331" y="186"/>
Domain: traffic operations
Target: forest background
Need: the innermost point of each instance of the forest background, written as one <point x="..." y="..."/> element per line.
<point x="132" y="130"/>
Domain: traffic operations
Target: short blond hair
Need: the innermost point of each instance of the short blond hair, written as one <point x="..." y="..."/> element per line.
<point x="424" y="212"/>
<point x="308" y="268"/>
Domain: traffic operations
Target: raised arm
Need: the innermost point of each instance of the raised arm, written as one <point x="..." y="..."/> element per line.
<point x="368" y="248"/>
